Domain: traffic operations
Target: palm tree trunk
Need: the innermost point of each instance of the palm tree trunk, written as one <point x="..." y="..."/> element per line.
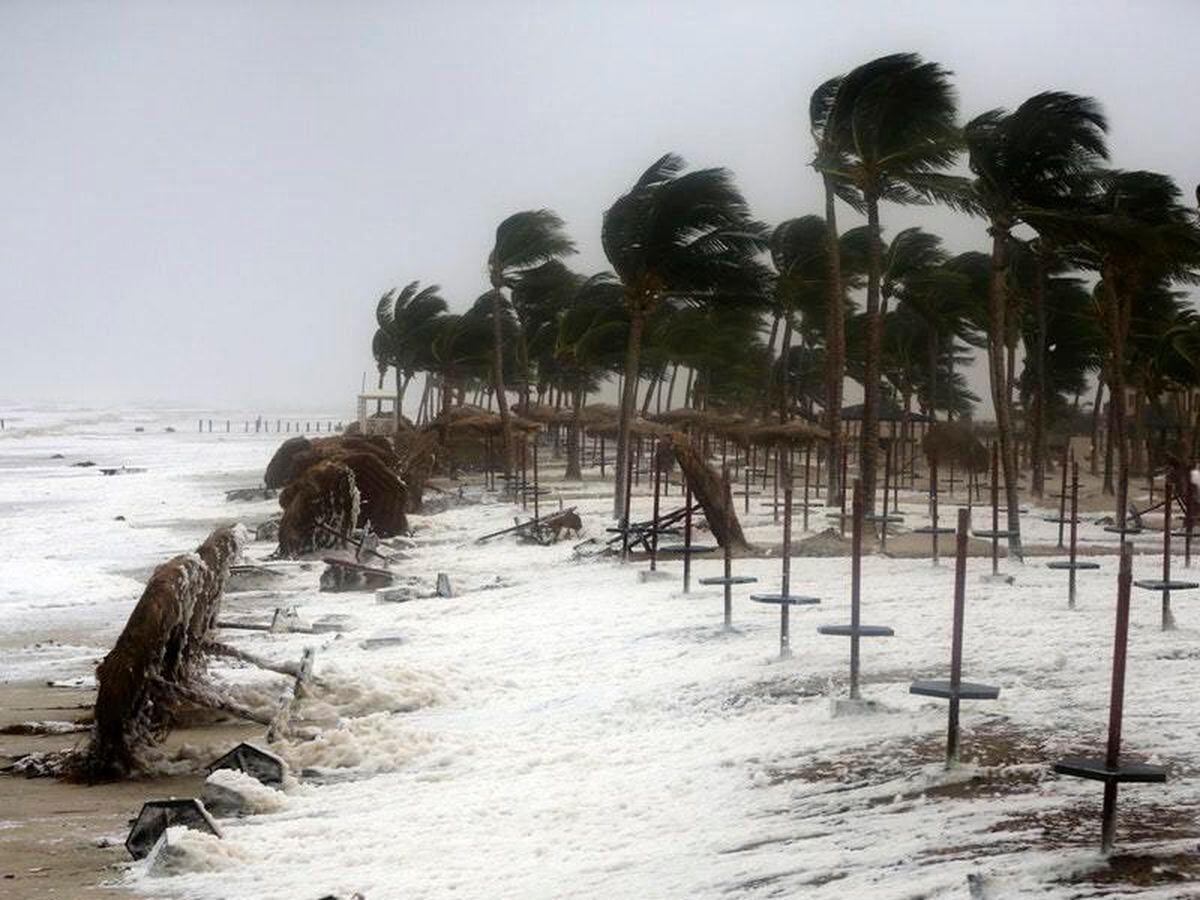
<point x="1116" y="316"/>
<point x="655" y="377"/>
<point x="768" y="376"/>
<point x="835" y="346"/>
<point x="687" y="389"/>
<point x="784" y="349"/>
<point x="1097" y="407"/>
<point x="934" y="344"/>
<point x="997" y="288"/>
<point x="869" y="448"/>
<point x="1038" y="412"/>
<point x="628" y="403"/>
<point x="671" y="389"/>
<point x="506" y="441"/>
<point x="573" y="472"/>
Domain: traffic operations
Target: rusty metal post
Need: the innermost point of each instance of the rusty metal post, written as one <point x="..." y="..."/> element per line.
<point x="785" y="641"/>
<point x="845" y="465"/>
<point x="1062" y="500"/>
<point x="654" y="519"/>
<point x="960" y="597"/>
<point x="536" y="489"/>
<point x="1074" y="533"/>
<point x="1116" y="702"/>
<point x="807" y="461"/>
<point x="746" y="489"/>
<point x="856" y="585"/>
<point x="995" y="509"/>
<point x="728" y="548"/>
<point x="1168" y="621"/>
<point x="887" y="475"/>
<point x="933" y="504"/>
<point x="687" y="537"/>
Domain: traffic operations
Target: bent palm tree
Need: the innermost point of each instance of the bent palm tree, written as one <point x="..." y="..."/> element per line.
<point x="404" y="320"/>
<point x="1028" y="167"/>
<point x="893" y="124"/>
<point x="524" y="241"/>
<point x="688" y="237"/>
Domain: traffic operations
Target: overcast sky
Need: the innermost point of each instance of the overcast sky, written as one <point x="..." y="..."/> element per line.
<point x="203" y="201"/>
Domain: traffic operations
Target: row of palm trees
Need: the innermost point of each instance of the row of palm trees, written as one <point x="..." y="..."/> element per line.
<point x="1083" y="274"/>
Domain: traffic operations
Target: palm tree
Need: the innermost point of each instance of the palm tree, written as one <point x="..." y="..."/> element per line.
<point x="402" y="335"/>
<point x="1136" y="234"/>
<point x="524" y="241"/>
<point x="893" y="124"/>
<point x="1028" y="166"/>
<point x="687" y="237"/>
<point x="828" y="160"/>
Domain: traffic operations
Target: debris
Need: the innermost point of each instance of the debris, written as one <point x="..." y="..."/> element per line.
<point x="544" y="530"/>
<point x="254" y="761"/>
<point x="121" y="470"/>
<point x="254" y="493"/>
<point x="344" y="575"/>
<point x="157" y="816"/>
<point x="443" y="585"/>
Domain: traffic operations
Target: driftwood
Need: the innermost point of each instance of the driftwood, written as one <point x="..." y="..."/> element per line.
<point x="544" y="530"/>
<point x="707" y="487"/>
<point x="161" y="648"/>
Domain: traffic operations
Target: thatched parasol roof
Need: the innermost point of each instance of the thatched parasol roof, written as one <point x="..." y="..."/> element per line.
<point x="638" y="427"/>
<point x="794" y="432"/>
<point x="489" y="423"/>
<point x="956" y="444"/>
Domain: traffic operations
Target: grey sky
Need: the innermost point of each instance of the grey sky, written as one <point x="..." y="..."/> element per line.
<point x="202" y="201"/>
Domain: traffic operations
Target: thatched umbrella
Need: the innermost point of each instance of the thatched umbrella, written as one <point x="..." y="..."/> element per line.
<point x="608" y="428"/>
<point x="956" y="444"/>
<point x="794" y="432"/>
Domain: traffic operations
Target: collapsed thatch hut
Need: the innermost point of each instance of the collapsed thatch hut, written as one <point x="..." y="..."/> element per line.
<point x="955" y="444"/>
<point x="320" y="508"/>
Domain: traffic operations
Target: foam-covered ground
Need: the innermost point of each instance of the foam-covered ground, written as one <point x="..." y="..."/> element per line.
<point x="558" y="728"/>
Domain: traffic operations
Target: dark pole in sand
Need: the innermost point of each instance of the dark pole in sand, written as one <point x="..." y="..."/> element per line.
<point x="654" y="519"/>
<point x="1074" y="532"/>
<point x="628" y="498"/>
<point x="785" y="641"/>
<point x="746" y="489"/>
<point x="728" y="548"/>
<point x="601" y="456"/>
<point x="807" y="460"/>
<point x="536" y="489"/>
<point x="845" y="465"/>
<point x="887" y="476"/>
<point x="524" y="474"/>
<point x="774" y="487"/>
<point x="856" y="584"/>
<point x="817" y="481"/>
<point x="1062" y="500"/>
<point x="1189" y="519"/>
<point x="687" y="537"/>
<point x="1167" y="621"/>
<point x="960" y="596"/>
<point x="897" y="468"/>
<point x="995" y="510"/>
<point x="933" y="504"/>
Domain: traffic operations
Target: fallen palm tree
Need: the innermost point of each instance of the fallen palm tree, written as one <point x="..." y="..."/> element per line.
<point x="707" y="487"/>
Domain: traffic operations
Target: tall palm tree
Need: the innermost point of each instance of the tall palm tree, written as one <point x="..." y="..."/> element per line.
<point x="403" y="319"/>
<point x="524" y="241"/>
<point x="683" y="236"/>
<point x="893" y="122"/>
<point x="1028" y="167"/>
<point x="829" y="160"/>
<point x="1137" y="235"/>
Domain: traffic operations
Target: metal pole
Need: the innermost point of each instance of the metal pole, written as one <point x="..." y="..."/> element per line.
<point x="845" y="464"/>
<point x="536" y="505"/>
<point x="995" y="510"/>
<point x="687" y="537"/>
<point x="807" y="460"/>
<point x="960" y="595"/>
<point x="1062" y="500"/>
<point x="887" y="475"/>
<point x="933" y="504"/>
<point x="728" y="559"/>
<point x="1167" y="621"/>
<point x="1116" y="702"/>
<point x="746" y="489"/>
<point x="855" y="584"/>
<point x="654" y="522"/>
<point x="774" y="487"/>
<point x="1074" y="531"/>
<point x="785" y="647"/>
<point x="1189" y="519"/>
<point x="628" y="498"/>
